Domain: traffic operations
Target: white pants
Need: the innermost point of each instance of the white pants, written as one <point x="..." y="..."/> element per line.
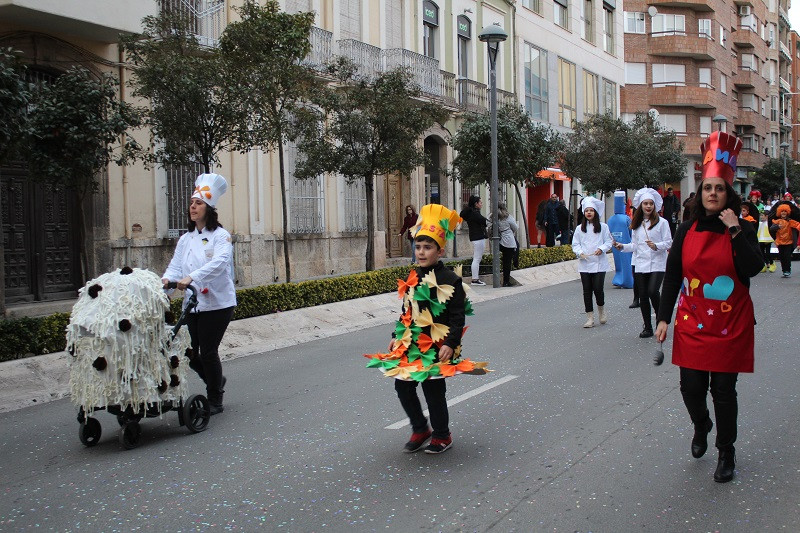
<point x="477" y="253"/>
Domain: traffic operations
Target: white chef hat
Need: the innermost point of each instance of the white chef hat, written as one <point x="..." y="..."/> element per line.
<point x="647" y="193"/>
<point x="209" y="187"/>
<point x="595" y="204"/>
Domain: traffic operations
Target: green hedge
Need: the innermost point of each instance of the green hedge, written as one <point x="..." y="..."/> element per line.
<point x="22" y="337"/>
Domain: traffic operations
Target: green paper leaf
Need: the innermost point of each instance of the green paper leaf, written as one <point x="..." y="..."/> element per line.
<point x="468" y="310"/>
<point x="445" y="225"/>
<point x="429" y="357"/>
<point x="413" y="353"/>
<point x="386" y="365"/>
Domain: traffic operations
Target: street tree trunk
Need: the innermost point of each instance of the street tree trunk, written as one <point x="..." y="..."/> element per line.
<point x="369" y="186"/>
<point x="524" y="216"/>
<point x="285" y="214"/>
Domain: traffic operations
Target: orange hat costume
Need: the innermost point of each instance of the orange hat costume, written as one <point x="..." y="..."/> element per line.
<point x="437" y="222"/>
<point x="720" y="151"/>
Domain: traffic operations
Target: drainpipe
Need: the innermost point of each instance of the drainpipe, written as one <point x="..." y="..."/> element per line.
<point x="126" y="215"/>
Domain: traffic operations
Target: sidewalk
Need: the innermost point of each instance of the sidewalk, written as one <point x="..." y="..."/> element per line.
<point x="44" y="378"/>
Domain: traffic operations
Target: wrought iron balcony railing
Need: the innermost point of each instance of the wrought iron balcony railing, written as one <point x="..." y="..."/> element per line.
<point x="207" y="16"/>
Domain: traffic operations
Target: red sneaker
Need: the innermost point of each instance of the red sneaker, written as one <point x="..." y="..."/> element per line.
<point x="439" y="445"/>
<point x="417" y="441"/>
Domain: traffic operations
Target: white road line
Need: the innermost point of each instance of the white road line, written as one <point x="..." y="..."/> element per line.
<point x="461" y="398"/>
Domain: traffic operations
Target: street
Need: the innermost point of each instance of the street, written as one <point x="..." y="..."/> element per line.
<point x="575" y="430"/>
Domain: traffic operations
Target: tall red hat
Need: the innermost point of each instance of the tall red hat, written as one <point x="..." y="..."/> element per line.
<point x="720" y="151"/>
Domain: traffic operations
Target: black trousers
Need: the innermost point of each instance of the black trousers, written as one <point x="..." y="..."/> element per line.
<point x="593" y="284"/>
<point x="206" y="329"/>
<point x="508" y="259"/>
<point x="785" y="255"/>
<point x="635" y="285"/>
<point x="648" y="285"/>
<point x="434" y="391"/>
<point x="695" y="386"/>
<point x="765" y="252"/>
<point x="552" y="231"/>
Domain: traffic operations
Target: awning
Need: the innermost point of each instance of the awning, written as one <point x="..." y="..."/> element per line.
<point x="553" y="173"/>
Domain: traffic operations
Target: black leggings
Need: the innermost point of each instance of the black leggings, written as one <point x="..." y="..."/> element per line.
<point x="785" y="255"/>
<point x="434" y="391"/>
<point x="648" y="284"/>
<point x="694" y="388"/>
<point x="593" y="283"/>
<point x="508" y="260"/>
<point x="206" y="329"/>
<point x="765" y="251"/>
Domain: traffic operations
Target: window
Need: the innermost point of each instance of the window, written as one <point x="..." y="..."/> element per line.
<point x="749" y="102"/>
<point x="704" y="28"/>
<point x="350" y="19"/>
<point x="355" y="206"/>
<point x="722" y="37"/>
<point x="180" y="184"/>
<point x="748" y="22"/>
<point x="723" y="83"/>
<point x="669" y="25"/>
<point x="628" y="117"/>
<point x="773" y="112"/>
<point x="704" y="76"/>
<point x="772" y="41"/>
<point x="394" y="24"/>
<point x="533" y="5"/>
<point x="536" y="82"/>
<point x="306" y="209"/>
<point x="587" y="17"/>
<point x="464" y="31"/>
<point x="634" y="22"/>
<point x="608" y="29"/>
<point x="430" y="25"/>
<point x="676" y="123"/>
<point x="566" y="93"/>
<point x="749" y="62"/>
<point x="665" y="74"/>
<point x="635" y="73"/>
<point x="561" y="13"/>
<point x="705" y="125"/>
<point x="763" y="107"/>
<point x="610" y="97"/>
<point x="591" y="100"/>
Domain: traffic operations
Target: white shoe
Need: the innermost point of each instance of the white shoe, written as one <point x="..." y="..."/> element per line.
<point x="589" y="320"/>
<point x="601" y="314"/>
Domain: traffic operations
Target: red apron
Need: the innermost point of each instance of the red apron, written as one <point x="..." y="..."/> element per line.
<point x="714" y="324"/>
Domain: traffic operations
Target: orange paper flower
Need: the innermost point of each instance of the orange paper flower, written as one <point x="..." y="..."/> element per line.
<point x="424" y="342"/>
<point x="447" y="371"/>
<point x="406" y="317"/>
<point x="403" y="286"/>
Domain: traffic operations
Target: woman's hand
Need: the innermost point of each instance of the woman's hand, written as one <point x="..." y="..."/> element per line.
<point x="651" y="244"/>
<point x="185" y="282"/>
<point x="661" y="331"/>
<point x="164" y="282"/>
<point x="583" y="256"/>
<point x="618" y="245"/>
<point x="598" y="252"/>
<point x="729" y="218"/>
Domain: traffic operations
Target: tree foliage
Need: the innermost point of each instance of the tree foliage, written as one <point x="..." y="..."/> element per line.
<point x="263" y="53"/>
<point x="769" y="178"/>
<point x="607" y="154"/>
<point x="77" y="126"/>
<point x="367" y="128"/>
<point x="193" y="113"/>
<point x="14" y="98"/>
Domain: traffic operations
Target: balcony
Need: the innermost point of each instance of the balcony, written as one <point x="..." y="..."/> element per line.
<point x="694" y="5"/>
<point x="698" y="96"/>
<point x="748" y="78"/>
<point x="321" y="49"/>
<point x="366" y="57"/>
<point x="424" y="70"/>
<point x="785" y="86"/>
<point x="504" y="98"/>
<point x="95" y="20"/>
<point x="749" y="117"/>
<point x="448" y="97"/>
<point x="787" y="54"/>
<point x="208" y="17"/>
<point x="746" y="37"/>
<point x="472" y="96"/>
<point x="698" y="46"/>
<point x="752" y="159"/>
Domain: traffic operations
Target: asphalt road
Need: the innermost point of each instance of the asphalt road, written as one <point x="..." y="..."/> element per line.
<point x="589" y="436"/>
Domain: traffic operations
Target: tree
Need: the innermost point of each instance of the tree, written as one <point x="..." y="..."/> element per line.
<point x="263" y="53"/>
<point x="769" y="178"/>
<point x="193" y="113"/>
<point x="14" y="97"/>
<point x="78" y="127"/>
<point x="607" y="154"/>
<point x="524" y="147"/>
<point x="365" y="129"/>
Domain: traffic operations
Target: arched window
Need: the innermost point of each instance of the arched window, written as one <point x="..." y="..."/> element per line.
<point x="430" y="26"/>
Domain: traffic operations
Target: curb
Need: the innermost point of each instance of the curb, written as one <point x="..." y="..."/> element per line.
<point x="45" y="378"/>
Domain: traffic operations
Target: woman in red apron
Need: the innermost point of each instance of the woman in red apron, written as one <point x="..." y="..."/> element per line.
<point x="714" y="254"/>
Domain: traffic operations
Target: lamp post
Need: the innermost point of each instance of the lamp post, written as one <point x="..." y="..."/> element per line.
<point x="720" y="120"/>
<point x="784" y="146"/>
<point x="493" y="35"/>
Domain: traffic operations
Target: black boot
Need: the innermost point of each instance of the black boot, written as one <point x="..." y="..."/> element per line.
<point x="726" y="465"/>
<point x="635" y="303"/>
<point x="700" y="439"/>
<point x="646" y="332"/>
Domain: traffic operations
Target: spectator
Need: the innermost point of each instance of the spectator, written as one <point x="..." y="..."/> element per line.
<point x="672" y="209"/>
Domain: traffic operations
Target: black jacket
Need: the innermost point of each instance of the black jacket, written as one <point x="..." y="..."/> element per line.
<point x="746" y="258"/>
<point x="476" y="223"/>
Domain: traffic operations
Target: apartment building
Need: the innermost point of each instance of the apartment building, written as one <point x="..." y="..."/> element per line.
<point x="692" y="61"/>
<point x="570" y="65"/>
<point x="794" y="106"/>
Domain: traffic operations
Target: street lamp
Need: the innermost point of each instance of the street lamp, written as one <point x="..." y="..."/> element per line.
<point x="784" y="147"/>
<point x="720" y="120"/>
<point x="493" y="35"/>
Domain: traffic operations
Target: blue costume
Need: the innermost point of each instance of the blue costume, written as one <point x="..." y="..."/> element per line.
<point x="620" y="227"/>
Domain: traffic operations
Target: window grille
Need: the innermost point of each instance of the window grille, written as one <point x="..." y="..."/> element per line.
<point x="355" y="206"/>
<point x="180" y="185"/>
<point x="466" y="192"/>
<point x="306" y="198"/>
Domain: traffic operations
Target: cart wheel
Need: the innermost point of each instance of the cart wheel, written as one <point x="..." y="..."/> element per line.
<point x="129" y="435"/>
<point x="196" y="412"/>
<point x="89" y="432"/>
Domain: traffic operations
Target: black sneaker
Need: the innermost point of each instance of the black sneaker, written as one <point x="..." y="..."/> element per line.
<point x="417" y="441"/>
<point x="646" y="332"/>
<point x="216" y="409"/>
<point x="439" y="445"/>
<point x="477" y="282"/>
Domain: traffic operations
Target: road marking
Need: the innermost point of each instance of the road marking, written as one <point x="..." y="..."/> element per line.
<point x="459" y="399"/>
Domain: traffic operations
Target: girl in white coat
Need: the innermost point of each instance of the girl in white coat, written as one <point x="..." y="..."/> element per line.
<point x="651" y="239"/>
<point x="591" y="241"/>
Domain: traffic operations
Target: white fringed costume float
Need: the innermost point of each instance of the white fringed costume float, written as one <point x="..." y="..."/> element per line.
<point x="120" y="344"/>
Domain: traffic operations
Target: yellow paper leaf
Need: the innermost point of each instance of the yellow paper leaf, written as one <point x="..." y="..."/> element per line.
<point x="444" y="292"/>
<point x="405" y="340"/>
<point x="458" y="270"/>
<point x="439" y="332"/>
<point x="424" y="318"/>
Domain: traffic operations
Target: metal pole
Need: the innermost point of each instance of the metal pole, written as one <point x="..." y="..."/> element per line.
<point x="494" y="185"/>
<point x="785" y="181"/>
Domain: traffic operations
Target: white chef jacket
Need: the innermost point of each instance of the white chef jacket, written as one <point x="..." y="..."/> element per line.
<point x="207" y="257"/>
<point x="588" y="243"/>
<point x="645" y="259"/>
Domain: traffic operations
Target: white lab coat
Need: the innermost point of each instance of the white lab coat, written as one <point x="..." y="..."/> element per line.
<point x="645" y="259"/>
<point x="207" y="257"/>
<point x="588" y="243"/>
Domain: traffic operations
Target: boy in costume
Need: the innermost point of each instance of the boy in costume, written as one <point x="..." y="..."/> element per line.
<point x="426" y="344"/>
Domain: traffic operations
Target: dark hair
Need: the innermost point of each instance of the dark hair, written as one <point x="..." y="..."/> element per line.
<point x="638" y="218"/>
<point x="474" y="200"/>
<point x="426" y="238"/>
<point x="734" y="202"/>
<point x="595" y="223"/>
<point x="212" y="219"/>
<point x="412" y="208"/>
